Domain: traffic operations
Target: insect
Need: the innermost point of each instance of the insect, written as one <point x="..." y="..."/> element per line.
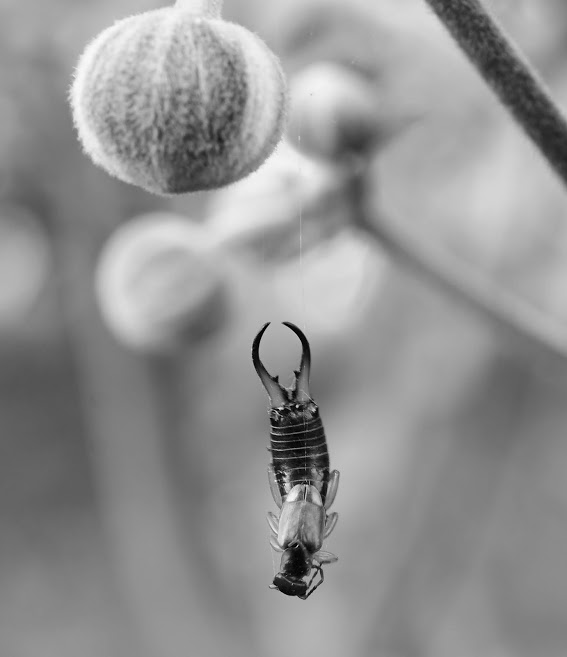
<point x="299" y="477"/>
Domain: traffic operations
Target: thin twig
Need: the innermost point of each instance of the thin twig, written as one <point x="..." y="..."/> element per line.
<point x="504" y="68"/>
<point x="464" y="282"/>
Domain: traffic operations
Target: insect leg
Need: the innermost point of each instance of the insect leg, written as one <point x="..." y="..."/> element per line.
<point x="273" y="521"/>
<point x="330" y="523"/>
<point x="332" y="488"/>
<point x="325" y="557"/>
<point x="274" y="488"/>
<point x="274" y="543"/>
<point x="318" y="570"/>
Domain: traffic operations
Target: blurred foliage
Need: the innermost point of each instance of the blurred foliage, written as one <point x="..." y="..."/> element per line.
<point x="450" y="440"/>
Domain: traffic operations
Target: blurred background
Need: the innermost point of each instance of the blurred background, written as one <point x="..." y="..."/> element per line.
<point x="133" y="488"/>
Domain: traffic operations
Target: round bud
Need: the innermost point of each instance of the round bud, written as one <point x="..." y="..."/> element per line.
<point x="175" y="101"/>
<point x="334" y="112"/>
<point x="159" y="284"/>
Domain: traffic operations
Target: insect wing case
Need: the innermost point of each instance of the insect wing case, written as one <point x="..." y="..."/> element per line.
<point x="302" y="518"/>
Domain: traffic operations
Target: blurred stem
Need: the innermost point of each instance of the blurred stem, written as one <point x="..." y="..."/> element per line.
<point x="164" y="582"/>
<point x="160" y="574"/>
<point x="453" y="275"/>
<point x="451" y="509"/>
<point x="511" y="77"/>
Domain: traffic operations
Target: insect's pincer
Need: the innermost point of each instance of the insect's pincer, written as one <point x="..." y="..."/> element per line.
<point x="276" y="392"/>
<point x="302" y="375"/>
<point x="279" y="396"/>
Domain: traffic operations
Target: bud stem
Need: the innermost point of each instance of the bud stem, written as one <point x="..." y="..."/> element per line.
<point x="466" y="284"/>
<point x="207" y="8"/>
<point x="511" y="77"/>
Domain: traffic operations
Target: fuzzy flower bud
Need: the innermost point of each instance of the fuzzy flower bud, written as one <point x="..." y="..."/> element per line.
<point x="177" y="100"/>
<point x="160" y="285"/>
<point x="334" y="112"/>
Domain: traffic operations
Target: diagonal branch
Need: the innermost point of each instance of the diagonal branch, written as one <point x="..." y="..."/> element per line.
<point x="511" y="77"/>
<point x="463" y="282"/>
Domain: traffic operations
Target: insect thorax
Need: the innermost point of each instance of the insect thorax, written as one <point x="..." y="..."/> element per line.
<point x="294" y="413"/>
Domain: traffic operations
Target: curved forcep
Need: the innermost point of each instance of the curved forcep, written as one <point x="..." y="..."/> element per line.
<point x="279" y="395"/>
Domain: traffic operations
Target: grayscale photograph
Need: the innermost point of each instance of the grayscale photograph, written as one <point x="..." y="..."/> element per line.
<point x="283" y="328"/>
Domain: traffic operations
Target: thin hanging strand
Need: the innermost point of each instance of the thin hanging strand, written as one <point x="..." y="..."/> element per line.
<point x="301" y="276"/>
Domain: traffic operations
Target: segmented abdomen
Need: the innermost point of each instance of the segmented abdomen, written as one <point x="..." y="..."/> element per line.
<point x="299" y="450"/>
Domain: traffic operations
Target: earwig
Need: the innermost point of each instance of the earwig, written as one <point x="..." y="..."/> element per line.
<point x="300" y="480"/>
